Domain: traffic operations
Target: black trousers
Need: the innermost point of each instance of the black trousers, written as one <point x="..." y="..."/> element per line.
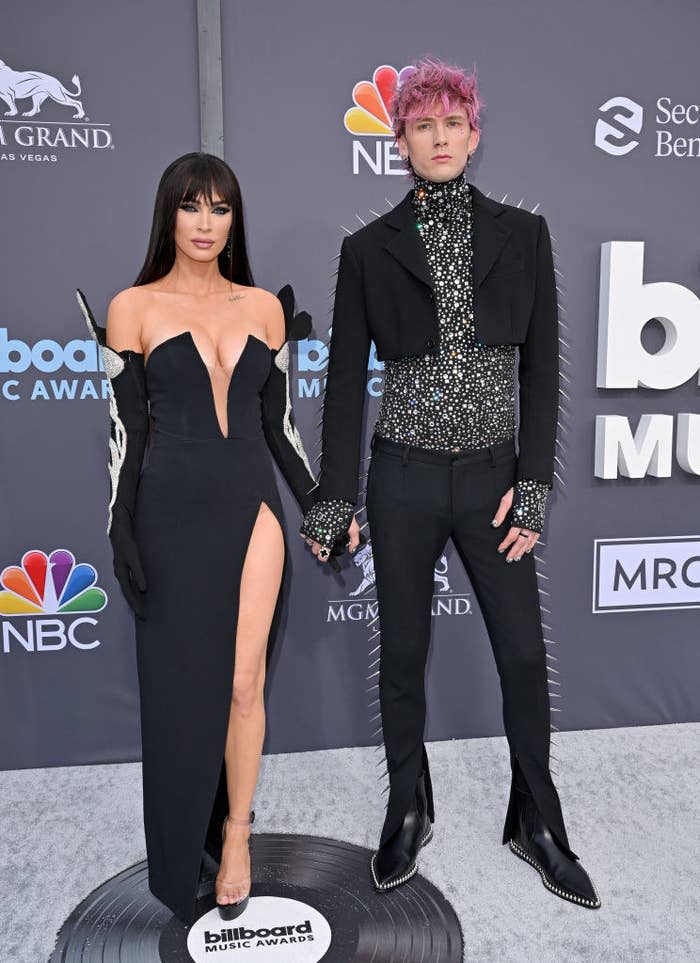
<point x="416" y="500"/>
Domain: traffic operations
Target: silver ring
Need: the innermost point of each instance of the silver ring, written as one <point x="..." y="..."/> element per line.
<point x="323" y="552"/>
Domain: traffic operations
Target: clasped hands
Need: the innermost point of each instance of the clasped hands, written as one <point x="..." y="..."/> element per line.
<point x="354" y="541"/>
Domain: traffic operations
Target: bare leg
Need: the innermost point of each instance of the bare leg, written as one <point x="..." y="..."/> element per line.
<point x="260" y="583"/>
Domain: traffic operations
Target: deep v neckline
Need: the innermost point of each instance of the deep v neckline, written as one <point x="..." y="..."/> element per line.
<point x="205" y="367"/>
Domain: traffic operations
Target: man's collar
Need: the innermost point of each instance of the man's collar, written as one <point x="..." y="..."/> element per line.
<point x="489" y="236"/>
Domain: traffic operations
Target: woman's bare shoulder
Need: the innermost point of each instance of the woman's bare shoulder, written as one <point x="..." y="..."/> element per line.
<point x="125" y="318"/>
<point x="262" y="296"/>
<point x="271" y="314"/>
<point x="135" y="297"/>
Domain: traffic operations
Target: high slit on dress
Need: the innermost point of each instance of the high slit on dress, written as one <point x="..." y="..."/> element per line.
<point x="197" y="503"/>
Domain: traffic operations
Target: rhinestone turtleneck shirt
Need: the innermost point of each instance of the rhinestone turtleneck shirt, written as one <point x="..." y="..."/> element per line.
<point x="461" y="396"/>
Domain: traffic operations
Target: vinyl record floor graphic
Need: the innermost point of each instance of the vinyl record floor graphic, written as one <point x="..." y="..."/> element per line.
<point x="312" y="900"/>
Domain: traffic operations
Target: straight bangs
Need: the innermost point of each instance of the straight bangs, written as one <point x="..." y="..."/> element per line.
<point x="190" y="177"/>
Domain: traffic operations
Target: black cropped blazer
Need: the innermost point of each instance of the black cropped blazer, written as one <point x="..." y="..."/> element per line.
<point x="384" y="294"/>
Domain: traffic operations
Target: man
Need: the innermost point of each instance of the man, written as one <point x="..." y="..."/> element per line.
<point x="448" y="285"/>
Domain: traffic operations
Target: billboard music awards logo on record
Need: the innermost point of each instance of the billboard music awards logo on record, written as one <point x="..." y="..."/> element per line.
<point x="360" y="606"/>
<point x="49" y="585"/>
<point x="621" y="120"/>
<point x="272" y="928"/>
<point x="44" y="141"/>
<point x="370" y="120"/>
<point x="49" y="357"/>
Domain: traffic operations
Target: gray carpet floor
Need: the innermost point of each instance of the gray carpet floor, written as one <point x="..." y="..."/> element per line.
<point x="630" y="797"/>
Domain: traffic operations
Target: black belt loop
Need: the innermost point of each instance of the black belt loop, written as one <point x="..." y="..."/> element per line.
<point x="492" y="452"/>
<point x="404" y="456"/>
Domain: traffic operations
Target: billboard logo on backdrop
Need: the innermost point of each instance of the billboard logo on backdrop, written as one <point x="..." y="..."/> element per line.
<point x="626" y="305"/>
<point x="621" y="121"/>
<point x="312" y="360"/>
<point x="44" y="142"/>
<point x="370" y="119"/>
<point x="621" y="118"/>
<point x="44" y="585"/>
<point x="79" y="356"/>
<point x="638" y="574"/>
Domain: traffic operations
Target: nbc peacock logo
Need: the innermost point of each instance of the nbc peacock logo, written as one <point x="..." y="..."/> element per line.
<point x="370" y="118"/>
<point x="49" y="585"/>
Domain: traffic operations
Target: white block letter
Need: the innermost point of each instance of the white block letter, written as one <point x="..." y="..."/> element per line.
<point x="625" y="306"/>
<point x="647" y="452"/>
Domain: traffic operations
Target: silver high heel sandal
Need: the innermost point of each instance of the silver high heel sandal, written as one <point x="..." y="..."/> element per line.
<point x="230" y="911"/>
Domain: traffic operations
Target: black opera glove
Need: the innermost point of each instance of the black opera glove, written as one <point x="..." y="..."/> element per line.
<point x="529" y="504"/>
<point x="128" y="409"/>
<point x="327" y="523"/>
<point x="127" y="562"/>
<point x="281" y="434"/>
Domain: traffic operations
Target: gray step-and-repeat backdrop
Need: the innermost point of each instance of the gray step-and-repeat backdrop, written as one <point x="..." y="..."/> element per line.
<point x="592" y="118"/>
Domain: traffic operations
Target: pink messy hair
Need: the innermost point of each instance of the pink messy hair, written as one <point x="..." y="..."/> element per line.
<point x="432" y="82"/>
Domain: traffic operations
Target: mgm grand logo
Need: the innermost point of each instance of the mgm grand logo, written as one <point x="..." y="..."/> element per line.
<point x="23" y="141"/>
<point x="362" y="606"/>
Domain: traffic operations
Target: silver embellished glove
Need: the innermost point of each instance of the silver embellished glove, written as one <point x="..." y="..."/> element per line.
<point x="128" y="409"/>
<point x="281" y="433"/>
<point x="327" y="521"/>
<point x="529" y="504"/>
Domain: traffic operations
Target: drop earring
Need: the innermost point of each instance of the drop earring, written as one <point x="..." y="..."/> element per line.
<point x="229" y="255"/>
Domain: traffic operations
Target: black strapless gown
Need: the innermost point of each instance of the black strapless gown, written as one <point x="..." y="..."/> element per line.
<point x="198" y="498"/>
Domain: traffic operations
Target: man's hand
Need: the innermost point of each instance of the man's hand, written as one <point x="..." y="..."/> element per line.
<point x="518" y="540"/>
<point x="353" y="532"/>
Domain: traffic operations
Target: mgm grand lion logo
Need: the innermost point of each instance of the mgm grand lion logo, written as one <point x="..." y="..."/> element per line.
<point x="365" y="562"/>
<point x="361" y="604"/>
<point x="32" y="84"/>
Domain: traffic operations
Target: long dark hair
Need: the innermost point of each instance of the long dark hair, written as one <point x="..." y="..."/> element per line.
<point x="185" y="180"/>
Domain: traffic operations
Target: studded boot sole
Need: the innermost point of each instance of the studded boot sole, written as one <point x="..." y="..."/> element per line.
<point x="552" y="887"/>
<point x="411" y="871"/>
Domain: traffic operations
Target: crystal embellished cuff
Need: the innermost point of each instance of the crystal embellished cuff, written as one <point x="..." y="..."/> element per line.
<point x="530" y="504"/>
<point x="326" y="520"/>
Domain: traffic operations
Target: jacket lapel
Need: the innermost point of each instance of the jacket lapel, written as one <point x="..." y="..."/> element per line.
<point x="405" y="244"/>
<point x="489" y="235"/>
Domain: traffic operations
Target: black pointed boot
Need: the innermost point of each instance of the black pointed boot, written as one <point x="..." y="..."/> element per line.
<point x="396" y="861"/>
<point x="561" y="874"/>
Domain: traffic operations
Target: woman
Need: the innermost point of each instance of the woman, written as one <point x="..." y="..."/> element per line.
<point x="197" y="358"/>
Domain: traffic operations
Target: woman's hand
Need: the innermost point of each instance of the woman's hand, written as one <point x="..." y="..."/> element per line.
<point x="518" y="540"/>
<point x="127" y="562"/>
<point x="353" y="532"/>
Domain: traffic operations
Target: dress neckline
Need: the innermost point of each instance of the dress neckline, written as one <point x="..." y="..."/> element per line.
<point x="189" y="336"/>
